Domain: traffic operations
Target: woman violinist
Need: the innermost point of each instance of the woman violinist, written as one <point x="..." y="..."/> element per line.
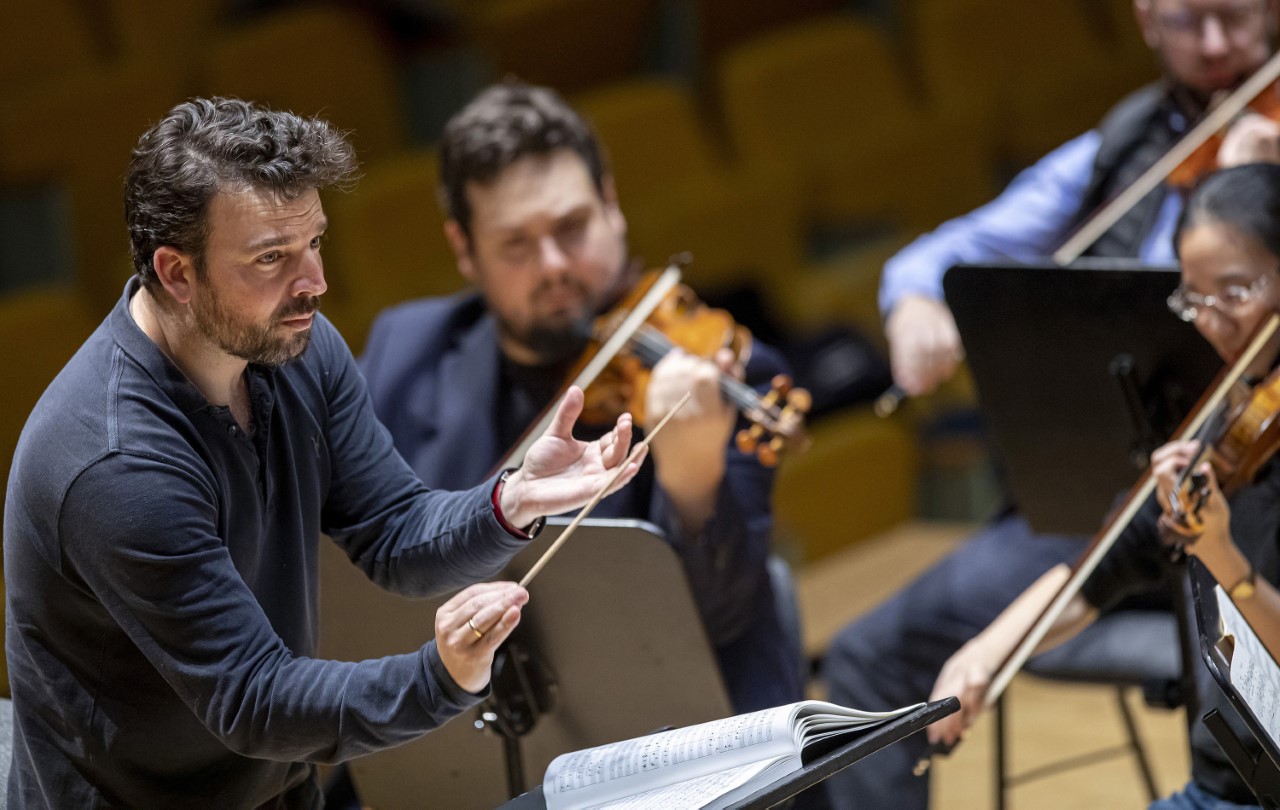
<point x="535" y="224"/>
<point x="1228" y="243"/>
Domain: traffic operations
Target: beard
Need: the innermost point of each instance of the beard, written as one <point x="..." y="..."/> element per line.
<point x="260" y="343"/>
<point x="553" y="343"/>
<point x="560" y="335"/>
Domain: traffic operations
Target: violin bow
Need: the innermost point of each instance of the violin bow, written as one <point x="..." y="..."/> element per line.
<point x="1120" y="521"/>
<point x="638" y="315"/>
<point x="1217" y="118"/>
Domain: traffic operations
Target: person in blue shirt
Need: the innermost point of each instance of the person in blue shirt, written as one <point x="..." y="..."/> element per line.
<point x="891" y="656"/>
<point x="169" y="490"/>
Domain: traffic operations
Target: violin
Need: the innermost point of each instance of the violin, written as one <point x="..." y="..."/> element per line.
<point x="1244" y="431"/>
<point x="681" y="320"/>
<point x="1192" y="157"/>
<point x="1204" y="160"/>
<point x="1236" y="442"/>
<point x="625" y="343"/>
<point x="1236" y="447"/>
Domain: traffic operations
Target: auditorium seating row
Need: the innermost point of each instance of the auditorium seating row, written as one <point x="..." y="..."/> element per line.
<point x="791" y="147"/>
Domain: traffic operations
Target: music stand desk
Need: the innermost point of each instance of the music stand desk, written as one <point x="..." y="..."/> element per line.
<point x="832" y="762"/>
<point x="1255" y="754"/>
<point x="1048" y="348"/>
<point x="611" y="616"/>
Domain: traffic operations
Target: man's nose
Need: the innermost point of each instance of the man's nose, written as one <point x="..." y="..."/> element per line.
<point x="311" y="278"/>
<point x="1213" y="35"/>
<point x="551" y="256"/>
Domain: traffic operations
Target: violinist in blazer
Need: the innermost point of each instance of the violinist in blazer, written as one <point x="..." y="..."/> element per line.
<point x="891" y="656"/>
<point x="534" y="221"/>
<point x="1229" y="246"/>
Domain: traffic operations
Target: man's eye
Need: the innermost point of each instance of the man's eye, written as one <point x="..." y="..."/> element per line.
<point x="573" y="228"/>
<point x="317" y="241"/>
<point x="269" y="258"/>
<point x="516" y="248"/>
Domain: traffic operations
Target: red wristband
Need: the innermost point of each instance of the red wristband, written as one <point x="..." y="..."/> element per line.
<point x="523" y="534"/>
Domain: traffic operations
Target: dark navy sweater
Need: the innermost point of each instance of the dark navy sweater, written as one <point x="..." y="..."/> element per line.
<point x="161" y="574"/>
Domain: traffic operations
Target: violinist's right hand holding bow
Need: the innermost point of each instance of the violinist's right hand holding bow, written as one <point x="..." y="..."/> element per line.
<point x="689" y="455"/>
<point x="924" y="344"/>
<point x="968" y="674"/>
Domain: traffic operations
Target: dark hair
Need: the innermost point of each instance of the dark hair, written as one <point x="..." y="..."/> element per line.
<point x="1245" y="197"/>
<point x="503" y="124"/>
<point x="204" y="146"/>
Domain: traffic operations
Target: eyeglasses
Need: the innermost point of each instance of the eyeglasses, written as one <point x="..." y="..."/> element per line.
<point x="1189" y="305"/>
<point x="1233" y="19"/>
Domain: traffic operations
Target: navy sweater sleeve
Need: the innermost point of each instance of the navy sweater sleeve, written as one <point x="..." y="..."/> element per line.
<point x="171" y="586"/>
<point x="406" y="538"/>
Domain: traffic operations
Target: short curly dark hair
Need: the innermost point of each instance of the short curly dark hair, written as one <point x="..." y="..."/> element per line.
<point x="503" y="124"/>
<point x="204" y="146"/>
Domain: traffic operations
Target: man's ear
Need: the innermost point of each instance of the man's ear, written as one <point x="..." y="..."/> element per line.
<point x="612" y="211"/>
<point x="176" y="272"/>
<point x="1146" y="22"/>
<point x="461" y="247"/>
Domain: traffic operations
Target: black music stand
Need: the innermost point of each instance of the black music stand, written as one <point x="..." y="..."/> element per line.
<point x="1250" y="679"/>
<point x="1081" y="372"/>
<point x="610" y="647"/>
<point x="818" y="765"/>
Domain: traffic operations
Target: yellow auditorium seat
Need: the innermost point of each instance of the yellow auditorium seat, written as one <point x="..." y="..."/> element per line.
<point x="43" y="38"/>
<point x="386" y="244"/>
<point x="1032" y="75"/>
<point x="138" y="27"/>
<point x="567" y="44"/>
<point x="721" y="24"/>
<point x="828" y="98"/>
<point x="840" y="288"/>
<point x="679" y="194"/>
<point x="857" y="479"/>
<point x="321" y="60"/>
<point x="77" y="130"/>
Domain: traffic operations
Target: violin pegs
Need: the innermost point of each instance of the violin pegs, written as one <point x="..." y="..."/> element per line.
<point x="767" y="454"/>
<point x="799" y="400"/>
<point x="745" y="441"/>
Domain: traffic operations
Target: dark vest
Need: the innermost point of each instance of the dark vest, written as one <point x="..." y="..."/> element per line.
<point x="1135" y="134"/>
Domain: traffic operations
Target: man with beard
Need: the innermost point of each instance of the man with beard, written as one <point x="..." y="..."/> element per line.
<point x="170" y="488"/>
<point x="533" y="219"/>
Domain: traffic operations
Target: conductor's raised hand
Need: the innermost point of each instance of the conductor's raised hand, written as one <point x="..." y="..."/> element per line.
<point x="471" y="625"/>
<point x="561" y="473"/>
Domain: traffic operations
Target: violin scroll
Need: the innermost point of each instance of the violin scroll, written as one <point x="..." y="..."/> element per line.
<point x="773" y="427"/>
<point x="682" y="320"/>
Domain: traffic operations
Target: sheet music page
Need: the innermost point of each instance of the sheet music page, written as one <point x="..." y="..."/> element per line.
<point x="608" y="772"/>
<point x="715" y="790"/>
<point x="1254" y="672"/>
